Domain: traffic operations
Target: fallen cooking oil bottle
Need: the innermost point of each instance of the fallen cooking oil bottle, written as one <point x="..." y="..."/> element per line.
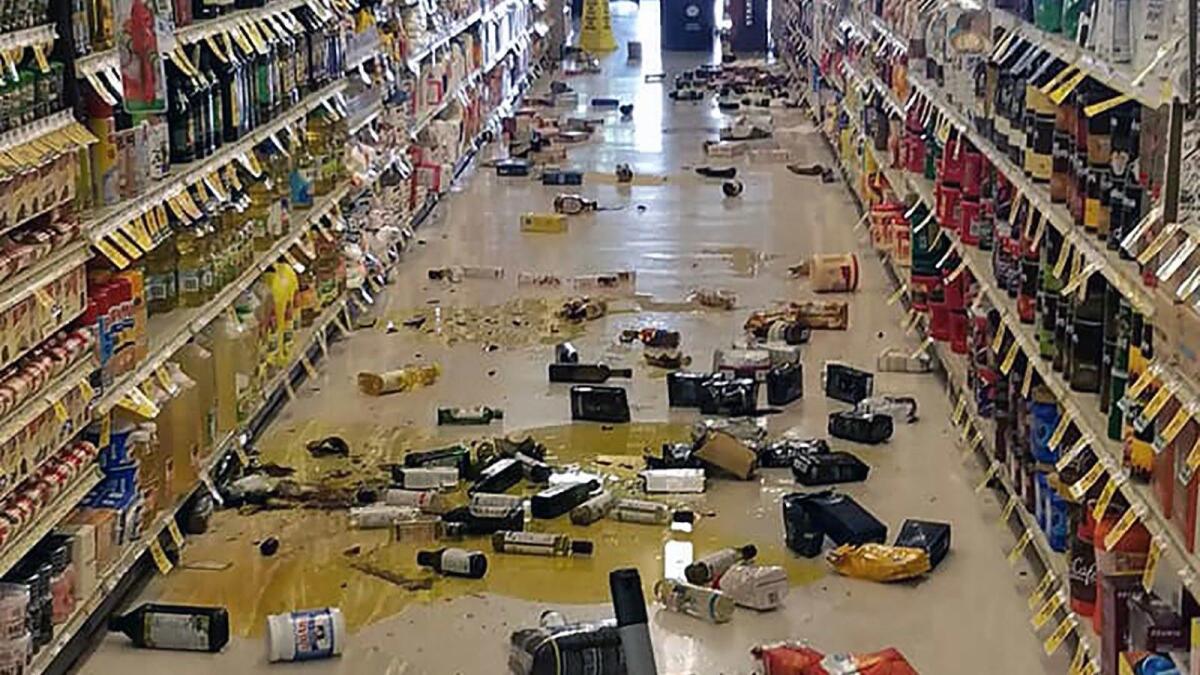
<point x="540" y="543"/>
<point x="455" y="562"/>
<point x="713" y="565"/>
<point x="175" y="627"/>
<point x="593" y="509"/>
<point x="708" y="604"/>
<point x="640" y="511"/>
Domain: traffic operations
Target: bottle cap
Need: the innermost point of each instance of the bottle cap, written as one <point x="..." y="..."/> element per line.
<point x="582" y="547"/>
<point x="427" y="558"/>
<point x="683" y="517"/>
<point x="748" y="551"/>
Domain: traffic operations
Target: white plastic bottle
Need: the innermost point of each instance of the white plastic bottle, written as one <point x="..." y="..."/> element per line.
<point x="306" y="635"/>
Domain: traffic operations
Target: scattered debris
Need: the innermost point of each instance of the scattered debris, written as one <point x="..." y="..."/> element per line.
<point x="895" y="360"/>
<point x="666" y="358"/>
<point x="709" y="172"/>
<point x="268" y="547"/>
<point x="819" y="315"/>
<point x="330" y="446"/>
<point x="408" y="378"/>
<point x="582" y="308"/>
<point x="810" y="170"/>
<point x="544" y="223"/>
<point x="830" y="273"/>
<point x="673" y="480"/>
<point x="716" y="298"/>
<point x="860" y="427"/>
<point x="732" y="188"/>
<point x="879" y="562"/>
<point x="626" y="110"/>
<point x="352" y="551"/>
<point x="624" y="173"/>
<point x="728" y="453"/>
<point x="701" y="602"/>
<point x="599" y="404"/>
<point x="480" y="415"/>
<point x="800" y="659"/>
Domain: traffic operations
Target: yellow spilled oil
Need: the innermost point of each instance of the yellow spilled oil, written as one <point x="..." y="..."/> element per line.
<point x="323" y="562"/>
<point x="517" y="323"/>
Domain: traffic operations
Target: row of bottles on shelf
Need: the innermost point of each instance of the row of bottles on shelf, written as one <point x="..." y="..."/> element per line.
<point x="217" y="92"/>
<point x="196" y="260"/>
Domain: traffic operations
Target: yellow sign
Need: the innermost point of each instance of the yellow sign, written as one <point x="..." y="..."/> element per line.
<point x="1022" y="543"/>
<point x="160" y="557"/>
<point x="173" y="530"/>
<point x="1039" y="592"/>
<point x="1007" y="512"/>
<point x="1080" y="488"/>
<point x="1105" y="498"/>
<point x="998" y="341"/>
<point x="1139" y="385"/>
<point x="1056" y="438"/>
<point x="1151" y="565"/>
<point x="1010" y="358"/>
<point x="1027" y="382"/>
<point x="1114" y="535"/>
<point x="1047" y="610"/>
<point x="1060" y="634"/>
<point x="595" y="28"/>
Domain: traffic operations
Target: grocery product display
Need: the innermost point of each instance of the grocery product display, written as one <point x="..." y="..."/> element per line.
<point x="1014" y="166"/>
<point x="193" y="205"/>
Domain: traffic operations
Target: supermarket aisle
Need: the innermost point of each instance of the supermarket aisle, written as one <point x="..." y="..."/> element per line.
<point x="493" y="342"/>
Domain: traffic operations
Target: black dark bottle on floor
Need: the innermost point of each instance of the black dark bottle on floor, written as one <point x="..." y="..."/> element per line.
<point x="499" y="476"/>
<point x="455" y="562"/>
<point x="599" y="404"/>
<point x="555" y="501"/>
<point x="176" y="627"/>
<point x="592" y="373"/>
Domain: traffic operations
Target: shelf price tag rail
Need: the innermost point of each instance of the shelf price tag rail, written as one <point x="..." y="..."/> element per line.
<point x="181" y="333"/>
<point x="184" y="176"/>
<point x="956" y="379"/>
<point x="1085" y="417"/>
<point x="90" y="616"/>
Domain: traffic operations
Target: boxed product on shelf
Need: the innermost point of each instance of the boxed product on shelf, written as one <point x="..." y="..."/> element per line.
<point x="27" y="378"/>
<point x="29" y="446"/>
<point x="33" y="319"/>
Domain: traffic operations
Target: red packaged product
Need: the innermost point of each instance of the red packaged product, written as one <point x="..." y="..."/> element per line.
<point x="795" y="659"/>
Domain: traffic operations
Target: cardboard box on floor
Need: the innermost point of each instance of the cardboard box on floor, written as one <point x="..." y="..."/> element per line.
<point x="728" y="453"/>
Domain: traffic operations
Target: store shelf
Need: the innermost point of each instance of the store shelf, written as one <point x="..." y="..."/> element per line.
<point x="182" y="176"/>
<point x="371" y="114"/>
<point x="442" y="40"/>
<point x="517" y="44"/>
<point x="955" y="371"/>
<point x="41" y="401"/>
<point x="97" y="61"/>
<point x="27" y="37"/>
<point x="461" y="88"/>
<point x="51" y="516"/>
<point x="233" y="21"/>
<point x="40" y="127"/>
<point x="1154" y="90"/>
<point x="169" y="332"/>
<point x="43" y="273"/>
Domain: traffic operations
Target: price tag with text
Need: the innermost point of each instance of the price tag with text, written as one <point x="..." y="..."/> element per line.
<point x="60" y="411"/>
<point x="1139" y="385"/>
<point x="1060" y="634"/>
<point x="160" y="557"/>
<point x="86" y="391"/>
<point x="1060" y="431"/>
<point x="1114" y="535"/>
<point x="988" y="476"/>
<point x="897" y="294"/>
<point x="1022" y="543"/>
<point x="1151" y="568"/>
<point x="998" y="341"/>
<point x="1078" y="660"/>
<point x="1038" y="596"/>
<point x="1157" y="403"/>
<point x="1047" y="610"/>
<point x="1008" y="509"/>
<point x="1178" y="421"/>
<point x="176" y="534"/>
<point x="1081" y="486"/>
<point x="960" y="409"/>
<point x="1009" y="358"/>
<point x="1027" y="381"/>
<point x="1105" y="498"/>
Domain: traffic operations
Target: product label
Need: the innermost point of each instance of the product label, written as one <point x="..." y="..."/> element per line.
<point x="313" y="634"/>
<point x="456" y="561"/>
<point x="176" y="631"/>
<point x="535" y="543"/>
<point x="190" y="280"/>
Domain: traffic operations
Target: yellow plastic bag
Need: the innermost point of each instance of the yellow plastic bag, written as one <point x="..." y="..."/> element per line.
<point x="879" y="562"/>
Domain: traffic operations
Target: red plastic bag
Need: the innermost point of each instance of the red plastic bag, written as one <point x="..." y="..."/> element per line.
<point x="795" y="659"/>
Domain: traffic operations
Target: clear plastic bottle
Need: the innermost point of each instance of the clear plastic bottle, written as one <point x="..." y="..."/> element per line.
<point x="708" y="604"/>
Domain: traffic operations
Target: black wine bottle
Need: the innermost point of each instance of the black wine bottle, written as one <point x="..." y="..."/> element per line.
<point x="588" y="373"/>
<point x="535" y="470"/>
<point x="176" y="627"/>
<point x="559" y="499"/>
<point x="499" y="476"/>
<point x="454" y="562"/>
<point x="599" y="404"/>
<point x="473" y="524"/>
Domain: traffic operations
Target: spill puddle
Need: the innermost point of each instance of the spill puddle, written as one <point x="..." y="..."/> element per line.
<point x="323" y="562"/>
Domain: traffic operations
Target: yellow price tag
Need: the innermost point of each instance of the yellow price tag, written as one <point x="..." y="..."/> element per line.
<point x="1077" y="660"/>
<point x="86" y="391"/>
<point x="1105" y="498"/>
<point x="1008" y="509"/>
<point x="1038" y="596"/>
<point x="998" y="341"/>
<point x="1047" y="610"/>
<point x="966" y="431"/>
<point x="1160" y="242"/>
<point x="1139" y="385"/>
<point x="1157" y="403"/>
<point x="1060" y="431"/>
<point x="1193" y="457"/>
<point x="43" y="298"/>
<point x="1060" y="94"/>
<point x="1181" y="418"/>
<point x="1022" y="543"/>
<point x="60" y="411"/>
<point x="897" y="294"/>
<point x="1010" y="358"/>
<point x="289" y="389"/>
<point x="1114" y="535"/>
<point x="164" y="378"/>
<point x="921" y="350"/>
<point x="1027" y="382"/>
<point x="1060" y="634"/>
<point x="988" y="476"/>
<point x="1060" y="265"/>
<point x="977" y="441"/>
<point x="959" y="409"/>
<point x="309" y="368"/>
<point x="1081" y="486"/>
<point x="953" y="276"/>
<point x="1058" y="79"/>
<point x="914" y="318"/>
<point x="114" y="256"/>
<point x="1151" y="568"/>
<point x="160" y="557"/>
<point x="1123" y="667"/>
<point x="105" y="429"/>
<point x="176" y="534"/>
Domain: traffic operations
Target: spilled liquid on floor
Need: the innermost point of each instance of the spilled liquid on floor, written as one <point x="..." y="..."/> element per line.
<point x="322" y="562"/>
<point x="517" y="323"/>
